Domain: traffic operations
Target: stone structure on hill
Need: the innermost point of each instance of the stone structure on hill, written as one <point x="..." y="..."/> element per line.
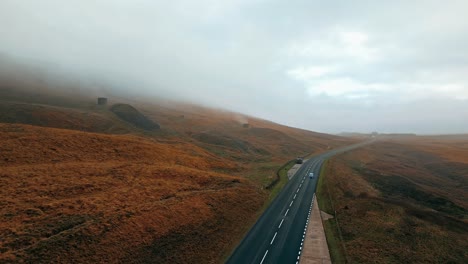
<point x="102" y="101"/>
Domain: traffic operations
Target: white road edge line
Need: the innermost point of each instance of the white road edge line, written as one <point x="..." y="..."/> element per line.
<point x="273" y="238"/>
<point x="264" y="257"/>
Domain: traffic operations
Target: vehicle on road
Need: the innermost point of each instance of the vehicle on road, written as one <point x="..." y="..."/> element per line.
<point x="311" y="175"/>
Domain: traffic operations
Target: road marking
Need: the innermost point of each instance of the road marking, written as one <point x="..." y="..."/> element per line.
<point x="281" y="223"/>
<point x="300" y="185"/>
<point x="297" y="191"/>
<point x="273" y="238"/>
<point x="286" y="212"/>
<point x="291" y="203"/>
<point x="264" y="257"/>
<point x="295" y="196"/>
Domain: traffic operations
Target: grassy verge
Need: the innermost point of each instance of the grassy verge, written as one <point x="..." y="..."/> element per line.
<point x="283" y="174"/>
<point x="332" y="231"/>
<point x="262" y="172"/>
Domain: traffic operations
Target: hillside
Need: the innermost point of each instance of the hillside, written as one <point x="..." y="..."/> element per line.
<point x="247" y="140"/>
<point x="82" y="197"/>
<point x="166" y="182"/>
<point x="400" y="200"/>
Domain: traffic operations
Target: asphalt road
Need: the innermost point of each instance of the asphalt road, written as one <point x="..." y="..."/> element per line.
<point x="278" y="234"/>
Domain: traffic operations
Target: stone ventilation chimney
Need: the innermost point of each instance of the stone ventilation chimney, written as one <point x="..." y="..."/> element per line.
<point x="102" y="101"/>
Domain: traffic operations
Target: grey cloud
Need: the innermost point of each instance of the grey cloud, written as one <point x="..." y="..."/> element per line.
<point x="237" y="54"/>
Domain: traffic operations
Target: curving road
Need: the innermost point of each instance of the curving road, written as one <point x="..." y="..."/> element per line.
<point x="278" y="235"/>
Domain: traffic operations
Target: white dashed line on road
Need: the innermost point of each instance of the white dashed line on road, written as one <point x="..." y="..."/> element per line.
<point x="273" y="238"/>
<point x="281" y="223"/>
<point x="264" y="257"/>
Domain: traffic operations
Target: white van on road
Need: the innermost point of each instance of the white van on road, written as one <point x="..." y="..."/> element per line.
<point x="311" y="175"/>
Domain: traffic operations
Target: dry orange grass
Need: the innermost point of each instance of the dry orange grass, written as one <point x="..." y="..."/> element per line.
<point x="61" y="117"/>
<point x="71" y="196"/>
<point x="220" y="132"/>
<point x="271" y="140"/>
<point x="176" y="195"/>
<point x="402" y="201"/>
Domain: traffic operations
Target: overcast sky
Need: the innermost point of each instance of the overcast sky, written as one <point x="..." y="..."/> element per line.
<point x="329" y="66"/>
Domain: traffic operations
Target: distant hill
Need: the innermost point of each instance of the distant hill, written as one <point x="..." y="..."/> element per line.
<point x="61" y="117"/>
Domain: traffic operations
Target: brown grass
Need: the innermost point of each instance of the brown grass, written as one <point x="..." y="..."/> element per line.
<point x="81" y="197"/>
<point x="61" y="117"/>
<point x="114" y="193"/>
<point x="402" y="201"/>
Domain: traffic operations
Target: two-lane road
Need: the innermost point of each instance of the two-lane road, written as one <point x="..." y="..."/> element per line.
<point x="278" y="235"/>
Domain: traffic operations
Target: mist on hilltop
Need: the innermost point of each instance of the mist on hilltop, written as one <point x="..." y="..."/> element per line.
<point x="285" y="62"/>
